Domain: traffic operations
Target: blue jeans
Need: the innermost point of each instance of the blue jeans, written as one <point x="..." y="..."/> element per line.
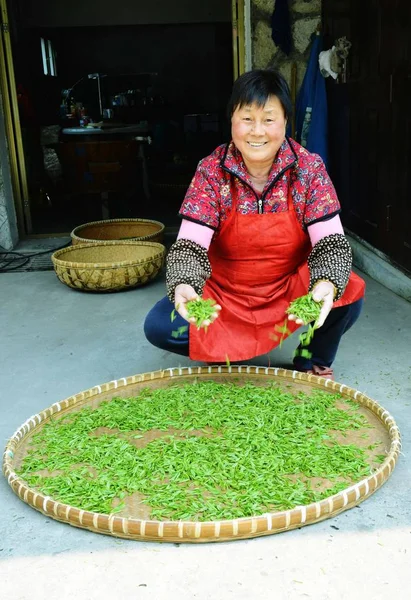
<point x="158" y="329"/>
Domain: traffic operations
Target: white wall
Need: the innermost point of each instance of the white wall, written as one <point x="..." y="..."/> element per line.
<point x="75" y="13"/>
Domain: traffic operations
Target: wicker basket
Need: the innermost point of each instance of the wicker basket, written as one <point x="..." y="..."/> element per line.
<point x="108" y="266"/>
<point x="139" y="528"/>
<point x="143" y="230"/>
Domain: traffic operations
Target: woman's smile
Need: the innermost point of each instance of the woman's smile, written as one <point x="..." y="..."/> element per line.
<point x="256" y="144"/>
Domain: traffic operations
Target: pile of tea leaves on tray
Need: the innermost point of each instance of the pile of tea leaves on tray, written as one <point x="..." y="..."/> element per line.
<point x="220" y="451"/>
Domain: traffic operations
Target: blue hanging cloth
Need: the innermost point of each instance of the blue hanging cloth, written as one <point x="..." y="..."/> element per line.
<point x="281" y="26"/>
<point x="313" y="95"/>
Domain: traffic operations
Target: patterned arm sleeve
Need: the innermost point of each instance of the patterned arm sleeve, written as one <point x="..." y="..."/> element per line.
<point x="187" y="262"/>
<point x="331" y="260"/>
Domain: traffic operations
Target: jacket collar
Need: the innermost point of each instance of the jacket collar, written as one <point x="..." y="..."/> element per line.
<point x="232" y="161"/>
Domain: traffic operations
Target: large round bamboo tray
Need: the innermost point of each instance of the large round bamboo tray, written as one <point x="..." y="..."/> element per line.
<point x="108" y="266"/>
<point x="137" y="528"/>
<point x="143" y="230"/>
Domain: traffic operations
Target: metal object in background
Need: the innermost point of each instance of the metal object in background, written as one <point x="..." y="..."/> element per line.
<point x="98" y="76"/>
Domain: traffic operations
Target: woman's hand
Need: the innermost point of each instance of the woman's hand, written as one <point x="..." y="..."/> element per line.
<point x="185" y="293"/>
<point x="324" y="292"/>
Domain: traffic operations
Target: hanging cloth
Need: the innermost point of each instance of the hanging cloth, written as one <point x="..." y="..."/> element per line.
<point x="281" y="26"/>
<point x="312" y="95"/>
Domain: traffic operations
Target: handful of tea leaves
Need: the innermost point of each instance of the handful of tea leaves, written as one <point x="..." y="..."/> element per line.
<point x="305" y="308"/>
<point x="308" y="310"/>
<point x="201" y="310"/>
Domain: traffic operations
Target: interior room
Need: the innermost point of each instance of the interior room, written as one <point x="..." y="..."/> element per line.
<point x="117" y="104"/>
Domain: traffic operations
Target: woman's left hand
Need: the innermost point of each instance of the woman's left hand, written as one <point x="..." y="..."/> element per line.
<point x="323" y="291"/>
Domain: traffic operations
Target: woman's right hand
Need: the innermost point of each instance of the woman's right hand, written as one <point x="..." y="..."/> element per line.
<point x="185" y="293"/>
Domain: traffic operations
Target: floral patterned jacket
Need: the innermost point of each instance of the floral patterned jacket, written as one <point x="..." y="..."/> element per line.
<point x="209" y="197"/>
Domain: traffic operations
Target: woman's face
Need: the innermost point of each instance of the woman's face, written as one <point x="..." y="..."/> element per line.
<point x="259" y="131"/>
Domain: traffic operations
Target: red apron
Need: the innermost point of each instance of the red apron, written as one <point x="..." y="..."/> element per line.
<point x="259" y="265"/>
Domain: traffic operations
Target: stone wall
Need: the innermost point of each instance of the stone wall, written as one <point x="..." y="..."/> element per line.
<point x="305" y="16"/>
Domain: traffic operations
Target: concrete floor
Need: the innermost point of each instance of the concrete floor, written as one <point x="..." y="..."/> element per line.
<point x="56" y="342"/>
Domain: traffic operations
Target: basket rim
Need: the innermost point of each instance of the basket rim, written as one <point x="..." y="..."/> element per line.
<point x="74" y="233"/>
<point x="204" y="531"/>
<point x="57" y="261"/>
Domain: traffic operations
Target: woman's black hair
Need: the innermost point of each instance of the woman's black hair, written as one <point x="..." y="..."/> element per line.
<point x="255" y="87"/>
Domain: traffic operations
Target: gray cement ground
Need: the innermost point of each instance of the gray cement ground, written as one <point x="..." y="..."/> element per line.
<point x="56" y="342"/>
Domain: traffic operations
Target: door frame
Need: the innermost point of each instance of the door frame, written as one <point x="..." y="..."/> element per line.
<point x="12" y="126"/>
<point x="241" y="28"/>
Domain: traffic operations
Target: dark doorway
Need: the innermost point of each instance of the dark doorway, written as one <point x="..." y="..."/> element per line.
<point x="370" y="121"/>
<point x="118" y="123"/>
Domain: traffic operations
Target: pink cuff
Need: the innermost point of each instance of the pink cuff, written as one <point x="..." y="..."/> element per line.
<point x="200" y="234"/>
<point x="319" y="230"/>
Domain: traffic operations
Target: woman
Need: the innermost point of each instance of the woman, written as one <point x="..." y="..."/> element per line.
<point x="260" y="228"/>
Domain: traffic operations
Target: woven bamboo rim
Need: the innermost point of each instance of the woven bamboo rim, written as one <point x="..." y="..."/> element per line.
<point x="118" y="229"/>
<point x="202" y="531"/>
<point x="108" y="266"/>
